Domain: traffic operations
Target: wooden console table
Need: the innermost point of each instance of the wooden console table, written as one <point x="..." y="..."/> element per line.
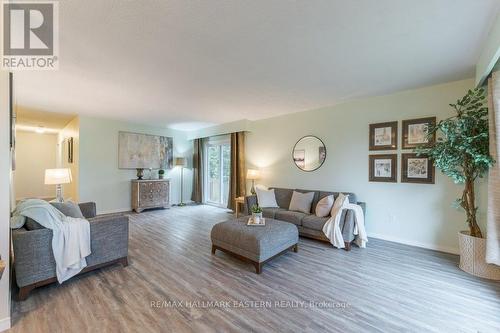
<point x="150" y="193"/>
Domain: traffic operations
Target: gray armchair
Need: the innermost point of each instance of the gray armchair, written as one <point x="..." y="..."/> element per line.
<point x="34" y="263"/>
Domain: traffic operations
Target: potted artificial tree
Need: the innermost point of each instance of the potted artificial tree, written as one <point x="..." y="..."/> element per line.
<point x="462" y="153"/>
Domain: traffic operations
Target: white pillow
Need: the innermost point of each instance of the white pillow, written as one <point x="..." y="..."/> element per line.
<point x="324" y="206"/>
<point x="339" y="202"/>
<point x="266" y="198"/>
<point x="301" y="202"/>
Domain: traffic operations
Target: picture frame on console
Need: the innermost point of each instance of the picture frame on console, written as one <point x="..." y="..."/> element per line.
<point x="383" y="168"/>
<point x="384" y="136"/>
<point x="417" y="169"/>
<point x="416" y="132"/>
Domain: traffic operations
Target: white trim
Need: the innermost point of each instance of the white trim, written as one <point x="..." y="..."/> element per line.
<point x="447" y="249"/>
<point x="4" y="324"/>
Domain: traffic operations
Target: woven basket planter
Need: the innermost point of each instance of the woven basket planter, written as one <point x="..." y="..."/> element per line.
<point x="472" y="257"/>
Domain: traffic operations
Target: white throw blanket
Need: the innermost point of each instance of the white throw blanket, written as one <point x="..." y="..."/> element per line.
<point x="71" y="236"/>
<point x="332" y="226"/>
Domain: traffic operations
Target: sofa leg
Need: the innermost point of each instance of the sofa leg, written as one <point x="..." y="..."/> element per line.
<point x="296" y="248"/>
<point x="258" y="267"/>
<point x="124" y="261"/>
<point x="347" y="246"/>
<point x="24" y="292"/>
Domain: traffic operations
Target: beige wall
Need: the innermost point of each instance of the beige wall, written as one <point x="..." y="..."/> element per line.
<point x="5" y="178"/>
<point x="415" y="214"/>
<point x="34" y="154"/>
<point x="100" y="178"/>
<point x="72" y="130"/>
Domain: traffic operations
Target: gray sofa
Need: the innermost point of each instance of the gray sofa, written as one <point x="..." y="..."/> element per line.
<point x="309" y="225"/>
<point x="34" y="263"/>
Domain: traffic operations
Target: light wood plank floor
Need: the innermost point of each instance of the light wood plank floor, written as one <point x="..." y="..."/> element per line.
<point x="385" y="288"/>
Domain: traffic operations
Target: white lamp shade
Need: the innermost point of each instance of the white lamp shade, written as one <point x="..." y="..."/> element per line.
<point x="253" y="174"/>
<point x="57" y="176"/>
<point x="181" y="161"/>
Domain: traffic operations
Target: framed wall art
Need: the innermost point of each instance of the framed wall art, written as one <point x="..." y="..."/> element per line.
<point x="416" y="132"/>
<point x="416" y="169"/>
<point x="384" y="136"/>
<point x="383" y="168"/>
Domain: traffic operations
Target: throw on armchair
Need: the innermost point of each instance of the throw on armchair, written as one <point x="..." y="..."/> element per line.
<point x="34" y="263"/>
<point x="309" y="225"/>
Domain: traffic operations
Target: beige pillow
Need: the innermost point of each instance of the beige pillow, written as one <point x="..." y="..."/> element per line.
<point x="266" y="198"/>
<point x="339" y="202"/>
<point x="301" y="202"/>
<point x="324" y="206"/>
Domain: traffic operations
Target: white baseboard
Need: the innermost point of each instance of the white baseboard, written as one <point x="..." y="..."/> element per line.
<point x="4" y="324"/>
<point x="435" y="247"/>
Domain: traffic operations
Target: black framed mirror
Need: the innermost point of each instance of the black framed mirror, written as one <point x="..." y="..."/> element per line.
<point x="309" y="153"/>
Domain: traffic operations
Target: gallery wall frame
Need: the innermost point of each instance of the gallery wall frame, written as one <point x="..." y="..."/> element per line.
<point x="383" y="168"/>
<point x="383" y="136"/>
<point x="417" y="169"/>
<point x="415" y="132"/>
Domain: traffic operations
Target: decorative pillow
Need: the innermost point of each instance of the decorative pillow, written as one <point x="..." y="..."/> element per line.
<point x="32" y="224"/>
<point x="339" y="202"/>
<point x="68" y="208"/>
<point x="266" y="198"/>
<point x="301" y="202"/>
<point x="324" y="206"/>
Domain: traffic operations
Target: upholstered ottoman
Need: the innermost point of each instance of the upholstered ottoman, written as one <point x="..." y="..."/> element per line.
<point x="257" y="244"/>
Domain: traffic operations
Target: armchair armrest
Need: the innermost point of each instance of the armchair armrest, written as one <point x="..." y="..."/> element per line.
<point x="250" y="200"/>
<point x="363" y="206"/>
<point x="88" y="209"/>
<point x="33" y="257"/>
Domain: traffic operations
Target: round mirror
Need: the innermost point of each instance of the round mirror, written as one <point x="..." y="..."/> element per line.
<point x="309" y="153"/>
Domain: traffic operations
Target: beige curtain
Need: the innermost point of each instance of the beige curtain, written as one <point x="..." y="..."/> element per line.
<point x="237" y="182"/>
<point x="493" y="227"/>
<point x="197" y="195"/>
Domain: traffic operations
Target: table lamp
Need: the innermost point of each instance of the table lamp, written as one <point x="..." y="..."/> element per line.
<point x="253" y="175"/>
<point x="182" y="162"/>
<point x="58" y="177"/>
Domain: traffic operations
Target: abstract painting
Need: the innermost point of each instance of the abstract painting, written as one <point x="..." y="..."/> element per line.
<point x="144" y="151"/>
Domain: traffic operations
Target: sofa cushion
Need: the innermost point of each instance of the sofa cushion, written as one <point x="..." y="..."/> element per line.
<point x="270" y="212"/>
<point x="289" y="216"/>
<point x="314" y="222"/>
<point x="68" y="208"/>
<point x="266" y="198"/>
<point x="301" y="202"/>
<point x="283" y="197"/>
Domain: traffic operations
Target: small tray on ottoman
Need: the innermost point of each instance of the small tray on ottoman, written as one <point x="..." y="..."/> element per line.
<point x="251" y="222"/>
<point x="256" y="245"/>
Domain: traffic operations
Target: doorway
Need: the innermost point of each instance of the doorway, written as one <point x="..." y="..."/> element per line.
<point x="217" y="170"/>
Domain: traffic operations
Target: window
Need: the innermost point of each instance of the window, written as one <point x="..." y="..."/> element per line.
<point x="217" y="170"/>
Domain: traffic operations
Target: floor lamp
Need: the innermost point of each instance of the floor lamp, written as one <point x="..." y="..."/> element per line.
<point x="182" y="162"/>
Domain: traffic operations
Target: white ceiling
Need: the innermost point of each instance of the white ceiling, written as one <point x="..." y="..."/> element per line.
<point x="189" y="64"/>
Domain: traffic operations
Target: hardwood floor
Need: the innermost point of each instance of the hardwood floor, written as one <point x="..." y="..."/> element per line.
<point x="386" y="287"/>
